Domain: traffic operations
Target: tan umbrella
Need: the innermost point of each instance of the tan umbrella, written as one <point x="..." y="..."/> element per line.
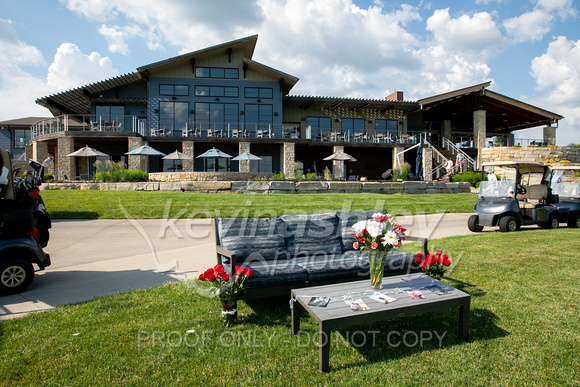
<point x="87" y="151"/>
<point x="340" y="156"/>
<point x="176" y="156"/>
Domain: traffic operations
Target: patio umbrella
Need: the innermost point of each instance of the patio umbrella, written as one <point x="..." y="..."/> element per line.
<point x="246" y="156"/>
<point x="145" y="150"/>
<point x="87" y="151"/>
<point x="419" y="163"/>
<point x="214" y="154"/>
<point x="176" y="156"/>
<point x="340" y="156"/>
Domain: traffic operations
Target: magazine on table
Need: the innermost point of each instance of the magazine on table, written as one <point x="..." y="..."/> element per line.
<point x="380" y="297"/>
<point x="438" y="290"/>
<point x="319" y="301"/>
<point x="357" y="304"/>
<point x="416" y="295"/>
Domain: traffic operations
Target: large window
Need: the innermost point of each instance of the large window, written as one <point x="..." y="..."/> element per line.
<point x="388" y="128"/>
<point x="355" y="124"/>
<point x="216" y="72"/>
<point x="21" y="138"/>
<point x="109" y="117"/>
<point x="217" y="91"/>
<point x="216" y="116"/>
<point x="320" y="126"/>
<point x="173" y="116"/>
<point x="258" y="117"/>
<point x="174" y="90"/>
<point x="259" y="92"/>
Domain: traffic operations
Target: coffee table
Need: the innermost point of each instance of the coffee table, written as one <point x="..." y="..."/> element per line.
<point x="337" y="313"/>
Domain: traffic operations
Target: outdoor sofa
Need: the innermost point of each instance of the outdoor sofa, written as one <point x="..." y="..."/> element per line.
<point x="294" y="251"/>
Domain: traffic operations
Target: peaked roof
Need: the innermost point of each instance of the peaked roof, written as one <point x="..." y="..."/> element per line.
<point x="503" y="114"/>
<point x="247" y="43"/>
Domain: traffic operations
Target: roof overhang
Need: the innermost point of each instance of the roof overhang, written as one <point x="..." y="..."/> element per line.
<point x="354" y="104"/>
<point x="78" y="101"/>
<point x="288" y="81"/>
<point x="503" y="114"/>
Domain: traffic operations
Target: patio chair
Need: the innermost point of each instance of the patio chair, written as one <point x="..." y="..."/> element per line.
<point x="260" y="133"/>
<point x="358" y="137"/>
<point x="379" y="137"/>
<point x="235" y="133"/>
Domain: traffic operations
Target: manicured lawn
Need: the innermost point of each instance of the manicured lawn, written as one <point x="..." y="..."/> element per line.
<point x="76" y="204"/>
<point x="523" y="330"/>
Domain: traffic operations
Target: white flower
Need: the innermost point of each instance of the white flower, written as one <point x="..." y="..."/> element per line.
<point x="390" y="238"/>
<point x="359" y="226"/>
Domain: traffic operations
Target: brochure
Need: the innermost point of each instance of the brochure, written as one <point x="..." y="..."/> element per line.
<point x="380" y="297"/>
<point x="438" y="290"/>
<point x="416" y="295"/>
<point x="357" y="304"/>
<point x="319" y="301"/>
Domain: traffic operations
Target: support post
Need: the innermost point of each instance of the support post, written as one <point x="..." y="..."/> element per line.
<point x="479" y="132"/>
<point x="66" y="166"/>
<point x="244" y="164"/>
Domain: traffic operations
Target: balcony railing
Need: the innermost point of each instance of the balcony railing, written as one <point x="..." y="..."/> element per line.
<point x="92" y="123"/>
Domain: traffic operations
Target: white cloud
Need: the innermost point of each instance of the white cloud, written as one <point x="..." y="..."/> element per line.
<point x="534" y="25"/>
<point x="71" y="68"/>
<point x="117" y="37"/>
<point x="557" y="73"/>
<point x="14" y="52"/>
<point x="476" y="35"/>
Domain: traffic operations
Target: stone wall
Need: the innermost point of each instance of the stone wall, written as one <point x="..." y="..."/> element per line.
<point x="272" y="187"/>
<point x="555" y="154"/>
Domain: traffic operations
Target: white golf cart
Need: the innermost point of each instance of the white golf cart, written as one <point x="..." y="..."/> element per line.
<point x="569" y="195"/>
<point x="521" y="196"/>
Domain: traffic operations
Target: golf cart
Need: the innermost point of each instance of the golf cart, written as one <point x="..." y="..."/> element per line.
<point x="24" y="225"/>
<point x="569" y="194"/>
<point x="521" y="198"/>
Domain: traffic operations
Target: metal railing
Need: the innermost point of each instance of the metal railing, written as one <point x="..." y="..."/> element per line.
<point x="209" y="129"/>
<point x="467" y="161"/>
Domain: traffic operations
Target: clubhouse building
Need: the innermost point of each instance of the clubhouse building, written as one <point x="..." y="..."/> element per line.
<point x="219" y="97"/>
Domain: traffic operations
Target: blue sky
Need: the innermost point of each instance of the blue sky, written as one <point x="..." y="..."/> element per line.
<point x="529" y="49"/>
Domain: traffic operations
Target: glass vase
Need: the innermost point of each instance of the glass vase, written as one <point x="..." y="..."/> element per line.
<point x="377" y="267"/>
<point x="230" y="312"/>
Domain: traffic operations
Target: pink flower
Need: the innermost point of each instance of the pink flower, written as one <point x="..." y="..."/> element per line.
<point x="355" y="245"/>
<point x="356" y="234"/>
<point x="374" y="246"/>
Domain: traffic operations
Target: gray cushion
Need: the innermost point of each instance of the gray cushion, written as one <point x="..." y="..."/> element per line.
<point x="397" y="260"/>
<point x="259" y="237"/>
<point x="333" y="266"/>
<point x="273" y="273"/>
<point x="311" y="234"/>
<point x="345" y="221"/>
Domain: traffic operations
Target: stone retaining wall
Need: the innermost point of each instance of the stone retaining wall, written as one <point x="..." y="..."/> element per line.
<point x="272" y="187"/>
<point x="506" y="153"/>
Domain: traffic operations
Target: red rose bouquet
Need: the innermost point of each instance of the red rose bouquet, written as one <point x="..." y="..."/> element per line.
<point x="434" y="265"/>
<point x="226" y="287"/>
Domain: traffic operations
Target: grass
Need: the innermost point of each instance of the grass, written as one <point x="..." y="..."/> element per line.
<point x="77" y="204"/>
<point x="523" y="331"/>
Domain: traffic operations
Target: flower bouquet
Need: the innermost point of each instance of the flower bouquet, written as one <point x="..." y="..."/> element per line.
<point x="227" y="287"/>
<point x="378" y="235"/>
<point x="434" y="265"/>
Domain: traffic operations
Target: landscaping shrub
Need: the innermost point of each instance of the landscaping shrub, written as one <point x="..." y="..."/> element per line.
<point x="472" y="177"/>
<point x="111" y="171"/>
<point x="326" y="173"/>
<point x="311" y="176"/>
<point x="403" y="172"/>
<point x="48" y="177"/>
<point x="279" y="176"/>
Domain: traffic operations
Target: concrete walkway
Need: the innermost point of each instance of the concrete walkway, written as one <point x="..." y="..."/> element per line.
<point x="97" y="258"/>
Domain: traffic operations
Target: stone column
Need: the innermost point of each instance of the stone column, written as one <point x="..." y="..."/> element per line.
<point x="187" y="149"/>
<point x="446" y="129"/>
<point x="244" y="164"/>
<point x="479" y="132"/>
<point x="549" y="135"/>
<point x="137" y="162"/>
<point x="39" y="151"/>
<point x="396" y="150"/>
<point x="66" y="166"/>
<point x="427" y="164"/>
<point x="510" y="139"/>
<point x="337" y="165"/>
<point x="288" y="160"/>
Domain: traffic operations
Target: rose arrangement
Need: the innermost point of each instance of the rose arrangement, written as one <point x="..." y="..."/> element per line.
<point x="227" y="287"/>
<point x="378" y="235"/>
<point x="434" y="265"/>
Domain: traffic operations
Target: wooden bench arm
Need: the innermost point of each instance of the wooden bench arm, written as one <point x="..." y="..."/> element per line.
<point x="221" y="252"/>
<point x="419" y="239"/>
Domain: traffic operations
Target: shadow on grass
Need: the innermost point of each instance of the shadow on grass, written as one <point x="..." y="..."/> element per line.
<point x="74" y="215"/>
<point x="404" y="337"/>
<point x="269" y="311"/>
<point x="473" y="290"/>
